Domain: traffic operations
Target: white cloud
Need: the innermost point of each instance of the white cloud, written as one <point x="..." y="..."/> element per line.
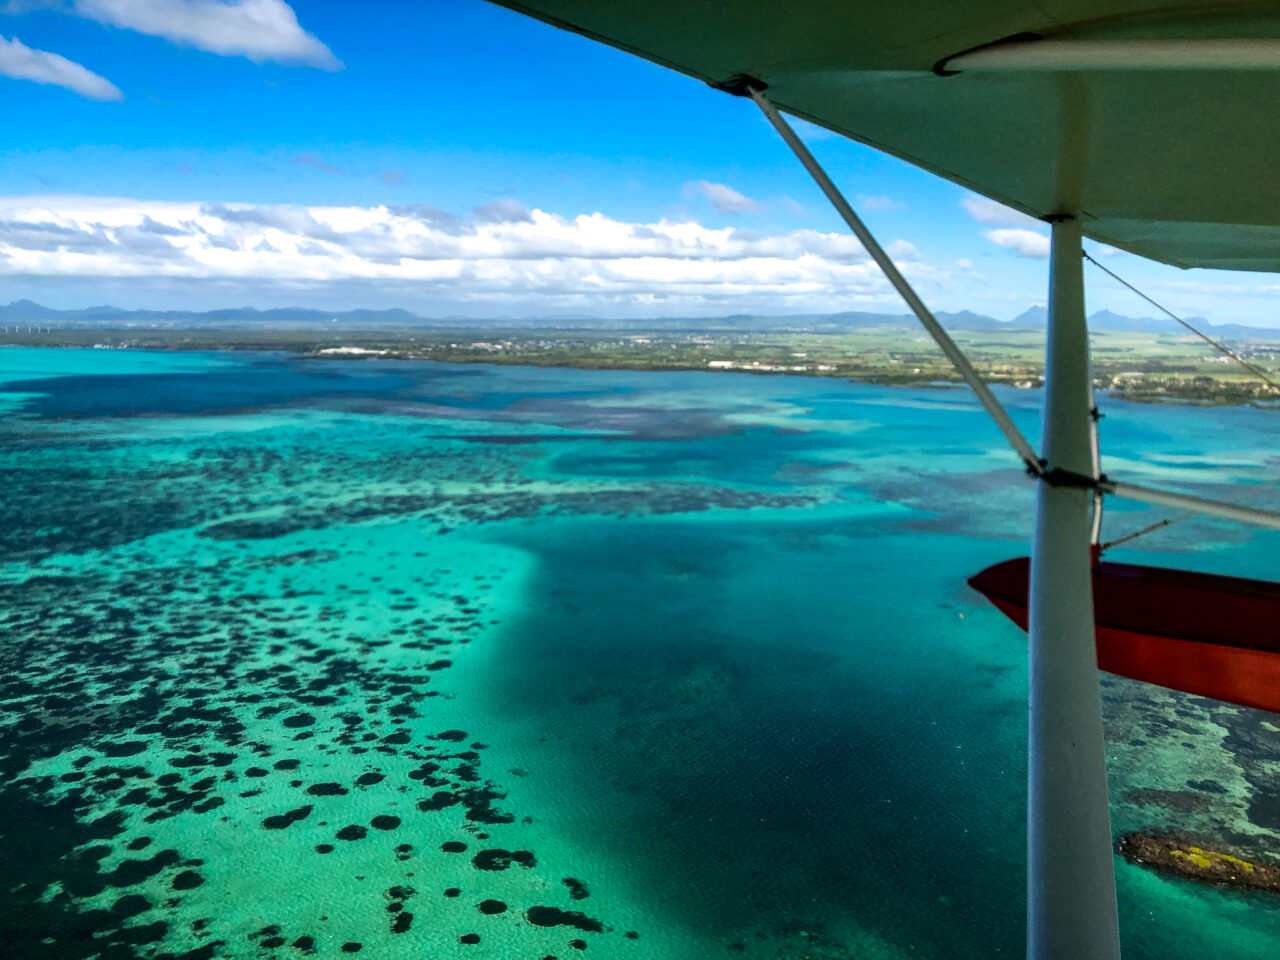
<point x="725" y="199"/>
<point x="19" y="61"/>
<point x="1025" y="243"/>
<point x="1013" y="229"/>
<point x="503" y="253"/>
<point x="902" y="250"/>
<point x="992" y="214"/>
<point x="503" y="210"/>
<point x="258" y="29"/>
<point x="875" y="203"/>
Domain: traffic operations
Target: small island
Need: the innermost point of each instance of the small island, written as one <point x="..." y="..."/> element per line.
<point x="1187" y="858"/>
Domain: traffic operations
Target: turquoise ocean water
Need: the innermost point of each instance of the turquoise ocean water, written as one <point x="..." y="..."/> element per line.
<point x="408" y="660"/>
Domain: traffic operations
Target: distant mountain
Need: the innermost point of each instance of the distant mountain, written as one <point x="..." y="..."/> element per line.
<point x="27" y="312"/>
<point x="23" y="310"/>
<point x="1031" y="317"/>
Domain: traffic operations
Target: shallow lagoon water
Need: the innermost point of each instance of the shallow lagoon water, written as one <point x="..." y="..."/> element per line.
<point x="324" y="658"/>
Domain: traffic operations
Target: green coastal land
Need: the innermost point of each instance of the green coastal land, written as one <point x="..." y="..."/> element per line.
<point x="1143" y="366"/>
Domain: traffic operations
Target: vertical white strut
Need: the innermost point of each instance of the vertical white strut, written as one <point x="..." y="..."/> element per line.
<point x="1071" y="898"/>
<point x="1071" y="909"/>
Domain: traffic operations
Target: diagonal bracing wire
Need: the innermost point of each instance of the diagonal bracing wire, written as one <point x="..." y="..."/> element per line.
<point x="1203" y="336"/>
<point x="1150" y="528"/>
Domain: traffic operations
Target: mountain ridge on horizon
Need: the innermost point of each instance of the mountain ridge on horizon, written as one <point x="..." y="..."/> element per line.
<point x="1035" y="317"/>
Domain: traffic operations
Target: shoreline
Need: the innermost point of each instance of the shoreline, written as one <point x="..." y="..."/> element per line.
<point x="1159" y="383"/>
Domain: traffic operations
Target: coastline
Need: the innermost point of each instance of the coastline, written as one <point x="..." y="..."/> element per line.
<point x="879" y="357"/>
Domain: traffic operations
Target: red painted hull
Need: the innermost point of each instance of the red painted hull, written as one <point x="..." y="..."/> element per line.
<point x="1218" y="637"/>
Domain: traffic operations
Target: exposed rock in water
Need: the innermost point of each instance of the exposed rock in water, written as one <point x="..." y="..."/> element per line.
<point x="1187" y="858"/>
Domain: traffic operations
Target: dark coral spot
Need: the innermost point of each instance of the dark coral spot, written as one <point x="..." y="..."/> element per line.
<point x="352" y="946"/>
<point x="438" y="801"/>
<point x="1208" y="786"/>
<point x="130" y="748"/>
<point x="498" y="859"/>
<point x="384" y="822"/>
<point x="369" y="779"/>
<point x="130" y="905"/>
<point x="326" y="790"/>
<point x="453" y="846"/>
<point x="491" y="906"/>
<point x="469" y="938"/>
<point x="555" y="917"/>
<point x="187" y="880"/>
<point x="452" y="892"/>
<point x="280" y="821"/>
<point x="352" y="831"/>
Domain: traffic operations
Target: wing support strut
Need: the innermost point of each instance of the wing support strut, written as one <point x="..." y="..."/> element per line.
<point x="971" y="376"/>
<point x="1071" y="892"/>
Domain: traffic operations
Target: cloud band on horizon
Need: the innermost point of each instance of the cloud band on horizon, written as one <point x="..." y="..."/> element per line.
<point x="501" y="252"/>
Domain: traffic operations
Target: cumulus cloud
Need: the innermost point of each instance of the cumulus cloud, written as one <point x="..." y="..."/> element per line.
<point x="504" y="210"/>
<point x="723" y="198"/>
<point x="1014" y="230"/>
<point x="19" y="61"/>
<point x="1025" y="243"/>
<point x="992" y="214"/>
<point x="503" y="253"/>
<point x="258" y="29"/>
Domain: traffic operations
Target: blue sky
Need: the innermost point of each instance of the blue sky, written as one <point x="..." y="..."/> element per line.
<point x="448" y="157"/>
